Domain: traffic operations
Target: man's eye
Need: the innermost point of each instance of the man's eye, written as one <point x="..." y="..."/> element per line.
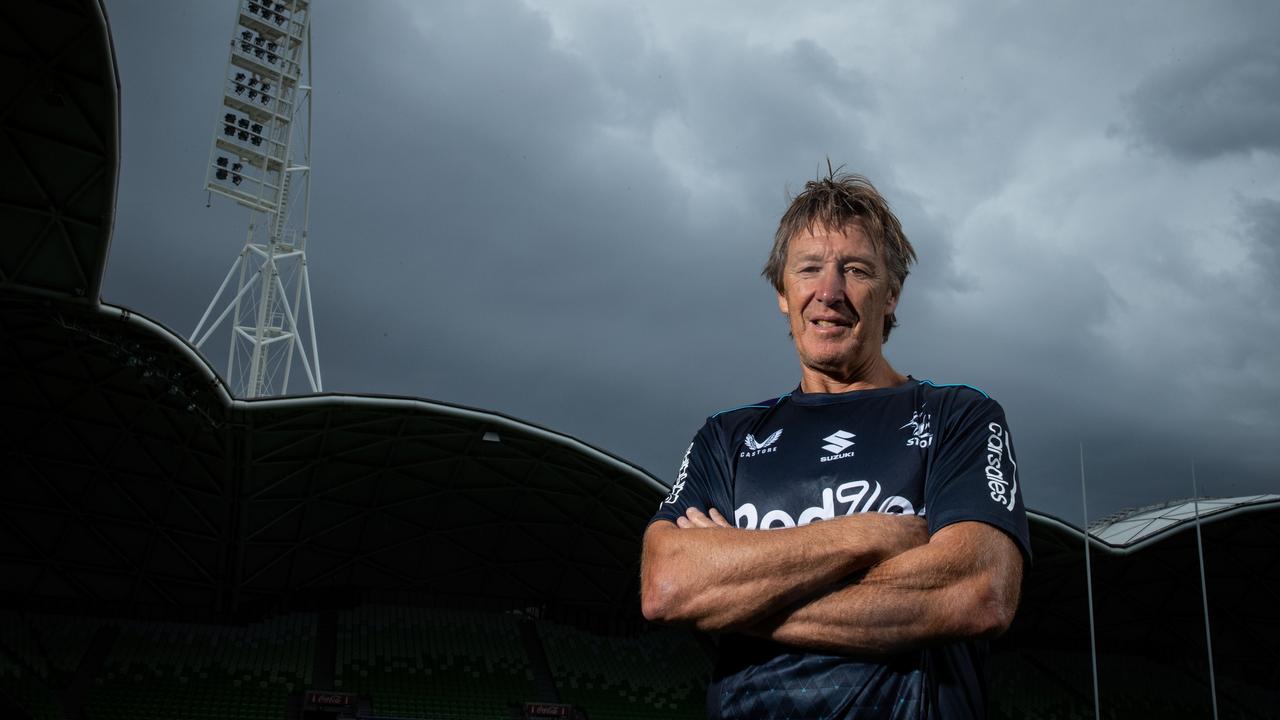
<point x="856" y="270"/>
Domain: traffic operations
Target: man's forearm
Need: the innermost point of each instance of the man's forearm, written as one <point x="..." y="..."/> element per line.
<point x="963" y="583"/>
<point x="721" y="578"/>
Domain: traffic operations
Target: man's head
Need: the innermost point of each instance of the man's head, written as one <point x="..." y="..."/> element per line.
<point x="840" y="201"/>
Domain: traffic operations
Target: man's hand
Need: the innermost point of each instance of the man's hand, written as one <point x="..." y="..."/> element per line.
<point x="913" y="532"/>
<point x="702" y="570"/>
<point x="694" y="517"/>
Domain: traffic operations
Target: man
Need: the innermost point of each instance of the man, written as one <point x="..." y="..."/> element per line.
<point x="882" y="609"/>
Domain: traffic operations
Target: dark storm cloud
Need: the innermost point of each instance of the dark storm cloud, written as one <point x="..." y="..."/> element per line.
<point x="1223" y="101"/>
<point x="561" y="214"/>
<point x="1262" y="225"/>
<point x="559" y="260"/>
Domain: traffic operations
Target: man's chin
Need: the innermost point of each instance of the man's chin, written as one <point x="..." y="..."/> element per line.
<point x="832" y="367"/>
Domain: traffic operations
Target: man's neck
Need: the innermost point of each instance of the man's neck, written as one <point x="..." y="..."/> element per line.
<point x="880" y="375"/>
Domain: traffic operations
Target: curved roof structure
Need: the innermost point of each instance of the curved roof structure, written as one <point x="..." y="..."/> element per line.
<point x="133" y="478"/>
<point x="1146" y="576"/>
<point x="59" y="146"/>
<point x="136" y="480"/>
<point x="1131" y="529"/>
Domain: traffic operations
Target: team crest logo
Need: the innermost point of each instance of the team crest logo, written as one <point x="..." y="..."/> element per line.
<point x="921" y="425"/>
<point x="758" y="447"/>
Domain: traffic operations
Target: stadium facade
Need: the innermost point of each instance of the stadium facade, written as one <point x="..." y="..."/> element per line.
<point x="168" y="550"/>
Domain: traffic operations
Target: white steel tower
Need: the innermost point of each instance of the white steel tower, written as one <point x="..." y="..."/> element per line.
<point x="265" y="125"/>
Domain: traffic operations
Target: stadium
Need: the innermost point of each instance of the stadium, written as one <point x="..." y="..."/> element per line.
<point x="169" y="550"/>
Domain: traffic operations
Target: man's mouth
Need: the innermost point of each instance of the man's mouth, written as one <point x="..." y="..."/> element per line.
<point x="825" y="323"/>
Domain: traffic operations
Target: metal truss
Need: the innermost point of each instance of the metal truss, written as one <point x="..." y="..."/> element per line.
<point x="265" y="122"/>
<point x="59" y="147"/>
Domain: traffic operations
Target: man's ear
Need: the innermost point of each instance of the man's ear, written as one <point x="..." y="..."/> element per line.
<point x="783" y="305"/>
<point x="891" y="301"/>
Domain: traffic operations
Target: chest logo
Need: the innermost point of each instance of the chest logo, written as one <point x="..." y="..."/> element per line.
<point x="921" y="424"/>
<point x="758" y="447"/>
<point x="838" y="444"/>
<point x="860" y="495"/>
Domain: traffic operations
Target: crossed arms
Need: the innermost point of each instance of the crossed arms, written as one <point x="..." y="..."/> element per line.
<point x="865" y="583"/>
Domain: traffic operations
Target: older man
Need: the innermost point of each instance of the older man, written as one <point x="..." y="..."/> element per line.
<point x="883" y="608"/>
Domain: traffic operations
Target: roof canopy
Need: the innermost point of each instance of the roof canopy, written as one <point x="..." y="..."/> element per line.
<point x="59" y="146"/>
<point x="135" y="479"/>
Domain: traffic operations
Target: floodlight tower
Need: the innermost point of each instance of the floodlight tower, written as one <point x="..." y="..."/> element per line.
<point x="265" y="123"/>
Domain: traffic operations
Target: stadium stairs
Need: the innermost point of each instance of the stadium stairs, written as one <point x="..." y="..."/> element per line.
<point x="326" y="655"/>
<point x="543" y="679"/>
<point x="89" y="668"/>
<point x="659" y="673"/>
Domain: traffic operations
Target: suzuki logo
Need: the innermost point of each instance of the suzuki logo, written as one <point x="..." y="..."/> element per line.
<point x="839" y="441"/>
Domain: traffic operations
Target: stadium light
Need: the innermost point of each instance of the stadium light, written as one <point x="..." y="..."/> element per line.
<point x="267" y="68"/>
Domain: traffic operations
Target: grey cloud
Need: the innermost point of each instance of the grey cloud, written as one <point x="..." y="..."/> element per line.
<point x="570" y="229"/>
<point x="1222" y="101"/>
<point x="1262" y="223"/>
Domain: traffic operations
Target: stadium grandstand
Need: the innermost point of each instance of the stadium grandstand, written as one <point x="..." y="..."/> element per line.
<point x="170" y="551"/>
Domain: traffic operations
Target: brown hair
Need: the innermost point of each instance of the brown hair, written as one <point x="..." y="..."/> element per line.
<point x="841" y="200"/>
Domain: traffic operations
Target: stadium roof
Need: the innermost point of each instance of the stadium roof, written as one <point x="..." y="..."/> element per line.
<point x="59" y="146"/>
<point x="1132" y="528"/>
<point x="134" y="478"/>
<point x="1146" y="569"/>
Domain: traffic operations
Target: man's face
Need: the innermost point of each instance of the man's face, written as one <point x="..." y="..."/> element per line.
<point x="836" y="294"/>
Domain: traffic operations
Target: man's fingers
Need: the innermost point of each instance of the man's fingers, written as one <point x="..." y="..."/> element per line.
<point x="718" y="519"/>
<point x="698" y="518"/>
<point x="695" y="518"/>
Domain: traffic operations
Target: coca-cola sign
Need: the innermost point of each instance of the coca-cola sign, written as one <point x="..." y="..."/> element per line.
<point x="329" y="699"/>
<point x="546" y="710"/>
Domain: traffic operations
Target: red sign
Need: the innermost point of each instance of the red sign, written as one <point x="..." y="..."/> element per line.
<point x="330" y="699"/>
<point x="547" y="710"/>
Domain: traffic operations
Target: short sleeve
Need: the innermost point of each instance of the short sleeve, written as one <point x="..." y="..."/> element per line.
<point x="974" y="473"/>
<point x="702" y="480"/>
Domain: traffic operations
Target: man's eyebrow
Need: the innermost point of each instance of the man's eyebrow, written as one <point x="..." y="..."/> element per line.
<point x="807" y="256"/>
<point x="812" y="256"/>
<point x="858" y="258"/>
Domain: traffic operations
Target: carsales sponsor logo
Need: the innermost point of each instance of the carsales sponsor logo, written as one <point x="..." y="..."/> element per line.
<point x="859" y="495"/>
<point x="1001" y="480"/>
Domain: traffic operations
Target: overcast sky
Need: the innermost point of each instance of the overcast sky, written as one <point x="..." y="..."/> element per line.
<point x="558" y="210"/>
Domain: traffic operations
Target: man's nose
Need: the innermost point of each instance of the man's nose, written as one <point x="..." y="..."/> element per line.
<point x="830" y="286"/>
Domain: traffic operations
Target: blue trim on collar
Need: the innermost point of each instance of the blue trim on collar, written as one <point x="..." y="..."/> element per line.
<point x="779" y="399"/>
<point x="931" y="383"/>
